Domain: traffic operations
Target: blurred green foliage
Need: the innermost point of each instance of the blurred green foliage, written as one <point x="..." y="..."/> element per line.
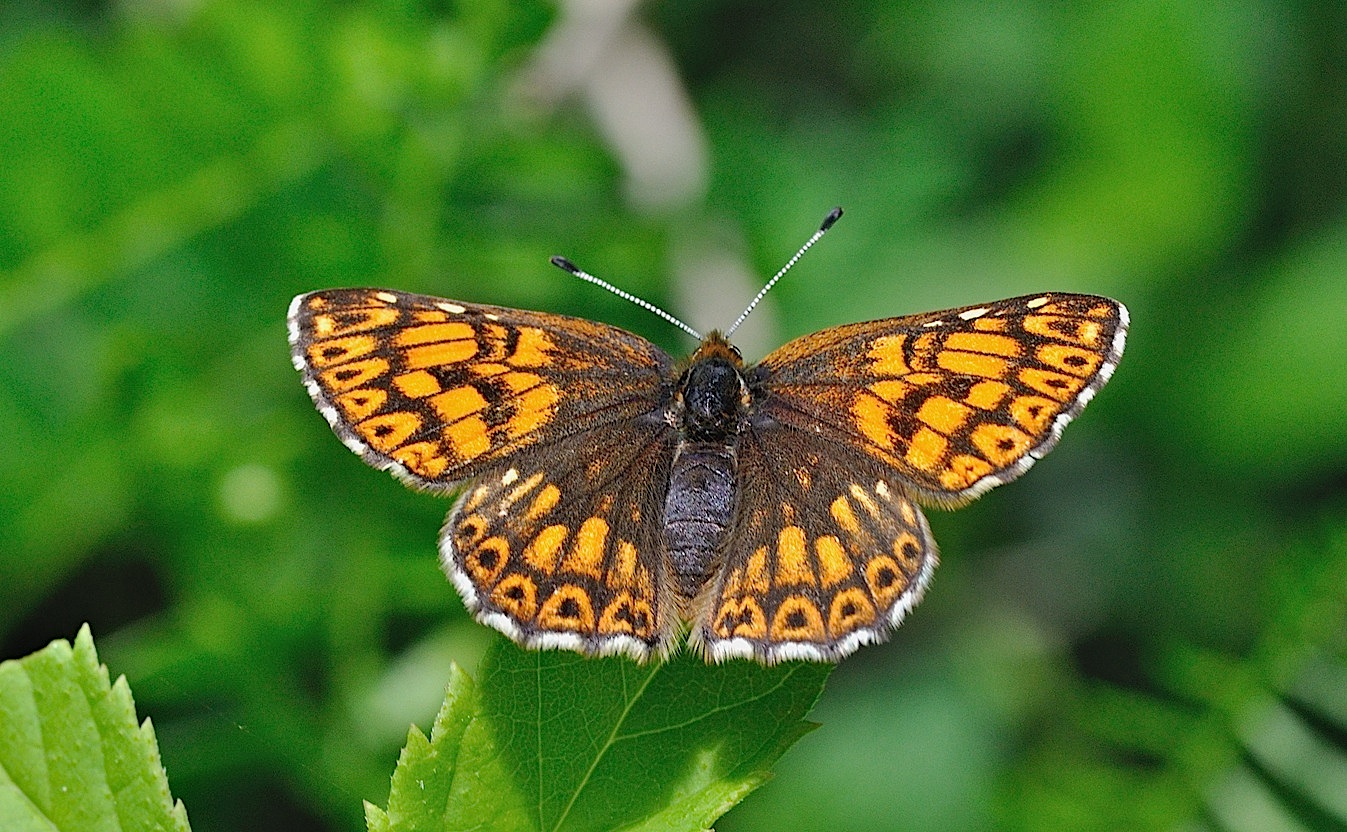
<point x="1146" y="632"/>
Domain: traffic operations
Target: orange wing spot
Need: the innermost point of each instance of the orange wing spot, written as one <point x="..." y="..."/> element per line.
<point x="1050" y="326"/>
<point x="487" y="369"/>
<point x="924" y="348"/>
<point x="988" y="324"/>
<point x="517" y="595"/>
<point x="755" y="572"/>
<point x="532" y="410"/>
<point x="429" y="316"/>
<point x="355" y="320"/>
<point x="434" y="333"/>
<point x="523" y="488"/>
<point x="792" y="559"/>
<point x="987" y="395"/>
<point x="348" y="376"/>
<point x="543" y="503"/>
<point x="926" y="450"/>
<point x="361" y="403"/>
<point x="586" y="555"/>
<point x="532" y="349"/>
<point x="542" y="551"/>
<point x="440" y="353"/>
<point x="387" y="431"/>
<point x="885" y="579"/>
<point x="886" y="355"/>
<point x="437" y="355"/>
<point x="517" y="493"/>
<point x="520" y="382"/>
<point x="1058" y="328"/>
<point x="798" y="619"/>
<point x="568" y="608"/>
<point x="623" y="571"/>
<point x="733" y="585"/>
<point x="872" y="418"/>
<point x="1073" y="360"/>
<point x="468" y="438"/>
<point x="845" y="517"/>
<point x="972" y="363"/>
<point x="907" y="512"/>
<point x="476" y="498"/>
<point x="422" y="458"/>
<point x="470" y="530"/>
<point x="803" y="477"/>
<point x="963" y="470"/>
<point x="417" y="385"/>
<point x="1059" y="386"/>
<point x="891" y="390"/>
<point x="341" y="350"/>
<point x="455" y="403"/>
<point x="943" y="414"/>
<point x="1089" y="333"/>
<point x="858" y="494"/>
<point x="850" y="608"/>
<point x="834" y="566"/>
<point x="487" y="560"/>
<point x="983" y="342"/>
<point x="907" y="549"/>
<point x="740" y="618"/>
<point x="1001" y="444"/>
<point x="627" y="614"/>
<point x="1033" y="413"/>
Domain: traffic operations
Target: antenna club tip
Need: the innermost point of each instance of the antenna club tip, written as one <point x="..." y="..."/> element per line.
<point x="564" y="264"/>
<point x="833" y="216"/>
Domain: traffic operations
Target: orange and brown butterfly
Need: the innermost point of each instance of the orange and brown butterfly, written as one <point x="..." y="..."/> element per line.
<point x="612" y="500"/>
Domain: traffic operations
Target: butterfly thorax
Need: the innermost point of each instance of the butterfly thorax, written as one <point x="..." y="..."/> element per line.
<point x="709" y="409"/>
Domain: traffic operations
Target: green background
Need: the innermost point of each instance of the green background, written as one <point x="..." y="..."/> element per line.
<point x="1146" y="632"/>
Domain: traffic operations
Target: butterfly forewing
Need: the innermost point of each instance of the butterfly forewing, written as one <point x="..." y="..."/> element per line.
<point x="956" y="402"/>
<point x="436" y="390"/>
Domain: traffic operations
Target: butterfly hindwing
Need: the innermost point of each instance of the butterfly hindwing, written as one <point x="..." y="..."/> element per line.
<point x="956" y="402"/>
<point x="437" y="390"/>
<point x="563" y="548"/>
<point x="829" y="552"/>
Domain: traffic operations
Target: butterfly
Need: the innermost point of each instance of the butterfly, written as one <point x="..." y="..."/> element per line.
<point x="612" y="500"/>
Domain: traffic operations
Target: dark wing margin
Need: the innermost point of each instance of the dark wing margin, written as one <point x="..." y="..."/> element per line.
<point x="436" y="390"/>
<point x="956" y="402"/>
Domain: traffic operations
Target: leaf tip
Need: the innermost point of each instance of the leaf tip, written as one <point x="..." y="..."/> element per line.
<point x="376" y="819"/>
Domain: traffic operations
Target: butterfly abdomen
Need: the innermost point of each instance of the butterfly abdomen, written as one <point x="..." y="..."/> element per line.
<point x="709" y="411"/>
<point x="698" y="511"/>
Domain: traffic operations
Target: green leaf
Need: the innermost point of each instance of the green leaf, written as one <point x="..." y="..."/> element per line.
<point x="553" y="741"/>
<point x="72" y="756"/>
<point x="455" y="779"/>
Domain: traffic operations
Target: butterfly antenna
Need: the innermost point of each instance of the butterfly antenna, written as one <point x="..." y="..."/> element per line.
<point x="828" y="221"/>
<point x="566" y="265"/>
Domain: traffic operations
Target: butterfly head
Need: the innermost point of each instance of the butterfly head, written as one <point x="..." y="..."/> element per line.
<point x="712" y="394"/>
